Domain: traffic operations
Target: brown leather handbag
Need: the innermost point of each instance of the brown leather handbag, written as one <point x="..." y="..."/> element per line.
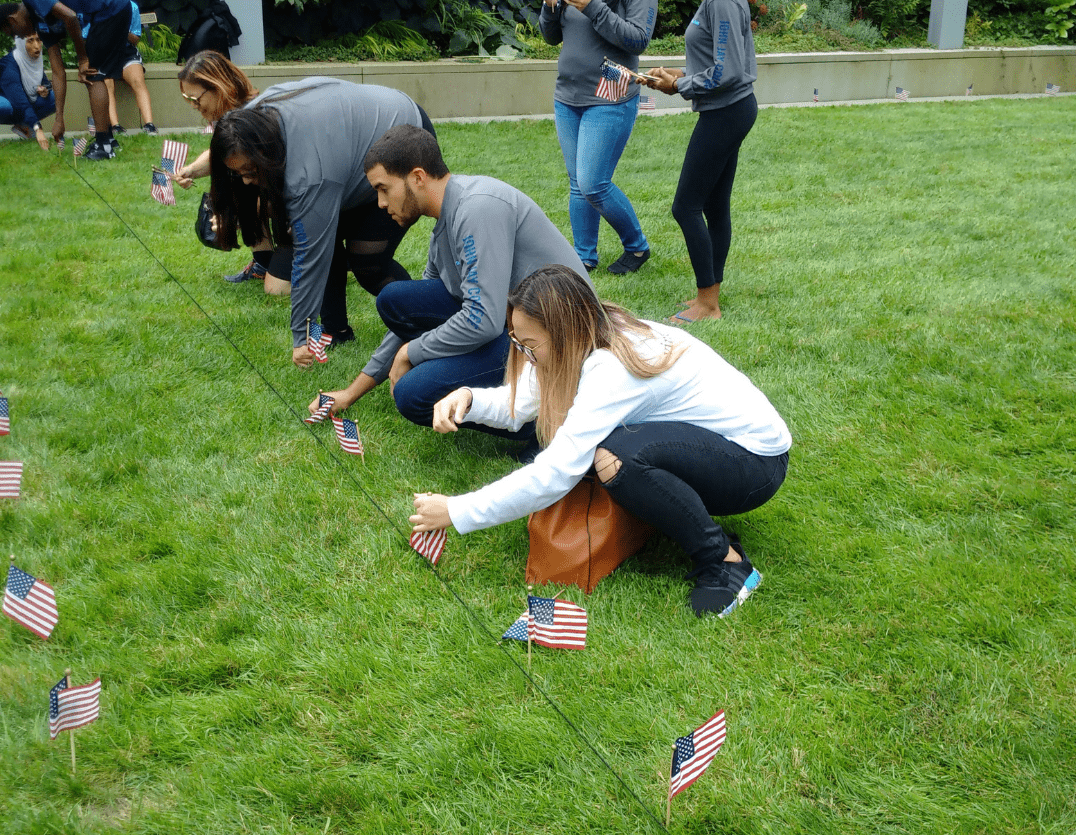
<point x="580" y="539"/>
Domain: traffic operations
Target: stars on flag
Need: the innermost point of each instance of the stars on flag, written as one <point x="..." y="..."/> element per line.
<point x="318" y="341"/>
<point x="431" y="544"/>
<point x="173" y="158"/>
<point x="613" y="81"/>
<point x="903" y="94"/>
<point x="325" y="405"/>
<point x="5" y="416"/>
<point x="647" y="103"/>
<point x="90" y="126"/>
<point x="30" y="602"/>
<point x="518" y="630"/>
<point x="1052" y="89"/>
<point x="348" y="435"/>
<point x="557" y="624"/>
<point x="10" y="479"/>
<point x="694" y="753"/>
<point x="73" y="707"/>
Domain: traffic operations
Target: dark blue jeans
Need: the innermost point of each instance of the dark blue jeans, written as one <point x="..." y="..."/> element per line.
<point x="676" y="476"/>
<point x="411" y="308"/>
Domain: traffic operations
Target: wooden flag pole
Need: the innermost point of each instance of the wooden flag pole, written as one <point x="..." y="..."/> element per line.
<point x="71" y="733"/>
<point x="307" y="330"/>
<point x="529" y="628"/>
<point x="668" y="799"/>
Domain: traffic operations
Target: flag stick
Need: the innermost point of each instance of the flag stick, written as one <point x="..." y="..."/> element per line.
<point x="307" y="330"/>
<point x="71" y="733"/>
<point x="668" y="799"/>
<point x="529" y="628"/>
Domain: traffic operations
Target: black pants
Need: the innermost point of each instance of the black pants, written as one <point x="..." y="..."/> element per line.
<point x="703" y="202"/>
<point x="677" y="476"/>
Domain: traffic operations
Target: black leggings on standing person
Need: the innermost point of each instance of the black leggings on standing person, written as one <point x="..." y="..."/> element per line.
<point x="703" y="202"/>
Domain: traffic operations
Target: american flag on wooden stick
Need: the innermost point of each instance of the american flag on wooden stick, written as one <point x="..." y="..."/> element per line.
<point x="325" y="405"/>
<point x="79" y="147"/>
<point x="73" y="707"/>
<point x="902" y="94"/>
<point x="318" y="341"/>
<point x="5" y="417"/>
<point x="30" y="601"/>
<point x="10" y="479"/>
<point x="1052" y="89"/>
<point x="556" y="623"/>
<point x="695" y="752"/>
<point x="173" y="158"/>
<point x="613" y="82"/>
<point x="431" y="544"/>
<point x="348" y="435"/>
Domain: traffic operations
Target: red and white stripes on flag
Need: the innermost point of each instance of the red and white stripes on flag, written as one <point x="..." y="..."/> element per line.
<point x="695" y="752"/>
<point x="173" y="158"/>
<point x="5" y="416"/>
<point x="79" y="148"/>
<point x="431" y="544"/>
<point x="347" y="432"/>
<point x="10" y="479"/>
<point x="318" y="341"/>
<point x="31" y="602"/>
<point x="903" y="94"/>
<point x="613" y="81"/>
<point x="556" y="623"/>
<point x="73" y="707"/>
<point x="325" y="405"/>
<point x="1052" y="89"/>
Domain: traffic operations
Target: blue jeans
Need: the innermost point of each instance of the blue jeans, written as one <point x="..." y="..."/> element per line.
<point x="43" y="107"/>
<point x="675" y="475"/>
<point x="592" y="140"/>
<point x="411" y="308"/>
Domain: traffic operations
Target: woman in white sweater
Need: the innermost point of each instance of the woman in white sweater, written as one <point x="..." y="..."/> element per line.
<point x="673" y="431"/>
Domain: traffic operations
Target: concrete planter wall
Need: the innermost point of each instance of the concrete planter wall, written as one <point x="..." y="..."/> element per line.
<point x="463" y="89"/>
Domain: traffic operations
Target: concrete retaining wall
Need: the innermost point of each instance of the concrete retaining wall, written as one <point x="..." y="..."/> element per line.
<point x="463" y="89"/>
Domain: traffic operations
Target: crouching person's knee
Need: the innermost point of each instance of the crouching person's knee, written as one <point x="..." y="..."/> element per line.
<point x="606" y="465"/>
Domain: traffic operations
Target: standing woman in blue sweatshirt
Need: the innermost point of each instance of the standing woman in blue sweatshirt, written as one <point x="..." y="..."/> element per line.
<point x="592" y="130"/>
<point x="719" y="83"/>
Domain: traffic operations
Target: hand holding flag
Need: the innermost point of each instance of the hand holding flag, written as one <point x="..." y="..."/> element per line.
<point x="317" y="341"/>
<point x="173" y="158"/>
<point x="431" y="544"/>
<point x="325" y="406"/>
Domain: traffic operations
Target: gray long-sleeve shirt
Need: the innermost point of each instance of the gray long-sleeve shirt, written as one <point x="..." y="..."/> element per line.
<point x="720" y="54"/>
<point x="619" y="30"/>
<point x="489" y="237"/>
<point x="329" y="125"/>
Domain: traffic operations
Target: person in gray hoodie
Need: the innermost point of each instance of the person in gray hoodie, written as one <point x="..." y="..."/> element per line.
<point x="719" y="83"/>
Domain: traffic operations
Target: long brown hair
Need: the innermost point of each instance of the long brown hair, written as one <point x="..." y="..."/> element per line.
<point x="215" y="72"/>
<point x="578" y="324"/>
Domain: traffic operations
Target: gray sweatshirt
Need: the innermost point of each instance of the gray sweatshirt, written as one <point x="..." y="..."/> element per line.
<point x="489" y="237"/>
<point x="619" y="30"/>
<point x="720" y="55"/>
<point x="329" y="125"/>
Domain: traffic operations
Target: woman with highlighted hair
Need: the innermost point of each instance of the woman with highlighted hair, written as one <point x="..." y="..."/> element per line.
<point x="673" y="431"/>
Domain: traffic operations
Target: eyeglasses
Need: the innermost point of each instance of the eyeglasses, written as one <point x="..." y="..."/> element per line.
<point x="195" y="99"/>
<point x="526" y="350"/>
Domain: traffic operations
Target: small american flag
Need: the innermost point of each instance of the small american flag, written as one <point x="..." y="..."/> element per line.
<point x="31" y="602"/>
<point x="10" y="479"/>
<point x="518" y="630"/>
<point x="209" y="128"/>
<point x="695" y="752"/>
<point x="613" y="83"/>
<point x="902" y="94"/>
<point x="816" y="94"/>
<point x="1052" y="89"/>
<point x="90" y="126"/>
<point x="325" y="405"/>
<point x="5" y="417"/>
<point x="556" y="623"/>
<point x="431" y="544"/>
<point x="968" y="91"/>
<point x="173" y="157"/>
<point x="348" y="435"/>
<point x="79" y="147"/>
<point x="318" y="341"/>
<point x="647" y="103"/>
<point x="73" y="707"/>
<point x="60" y="143"/>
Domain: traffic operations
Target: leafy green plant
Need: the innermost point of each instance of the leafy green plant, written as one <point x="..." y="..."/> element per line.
<point x="159" y="44"/>
<point x="1061" y="18"/>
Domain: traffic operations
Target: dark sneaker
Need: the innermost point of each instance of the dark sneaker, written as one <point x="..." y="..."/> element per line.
<point x="251" y="270"/>
<point x="346" y="334"/>
<point x="97" y="151"/>
<point x="629" y="262"/>
<point x="118" y="129"/>
<point x="723" y="587"/>
<point x="149" y="128"/>
<point x="21" y="131"/>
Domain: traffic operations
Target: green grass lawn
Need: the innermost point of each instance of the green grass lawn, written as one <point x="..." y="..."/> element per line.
<point x="275" y="659"/>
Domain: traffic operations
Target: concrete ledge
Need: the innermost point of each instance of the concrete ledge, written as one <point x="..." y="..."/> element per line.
<point x="473" y="89"/>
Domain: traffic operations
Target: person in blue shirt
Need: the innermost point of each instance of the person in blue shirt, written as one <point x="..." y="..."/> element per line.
<point x="25" y="97"/>
<point x="101" y="55"/>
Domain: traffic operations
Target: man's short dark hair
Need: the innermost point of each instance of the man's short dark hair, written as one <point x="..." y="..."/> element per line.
<point x="402" y="149"/>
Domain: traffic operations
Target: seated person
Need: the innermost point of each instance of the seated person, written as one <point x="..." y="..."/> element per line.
<point x="134" y="73"/>
<point x="675" y="433"/>
<point x="448" y="330"/>
<point x="25" y="97"/>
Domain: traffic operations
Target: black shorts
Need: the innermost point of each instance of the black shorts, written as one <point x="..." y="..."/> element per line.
<point x="107" y="46"/>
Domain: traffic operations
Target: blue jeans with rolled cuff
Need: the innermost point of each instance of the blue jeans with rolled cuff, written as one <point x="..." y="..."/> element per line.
<point x="677" y="476"/>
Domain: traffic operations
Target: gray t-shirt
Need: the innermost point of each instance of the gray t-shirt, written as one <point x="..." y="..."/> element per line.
<point x="720" y="54"/>
<point x="489" y="237"/>
<point x="619" y="30"/>
<point x="329" y="125"/>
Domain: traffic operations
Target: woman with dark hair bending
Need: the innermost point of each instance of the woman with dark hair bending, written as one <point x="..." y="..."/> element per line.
<point x="719" y="83"/>
<point x="673" y="431"/>
<point x="291" y="162"/>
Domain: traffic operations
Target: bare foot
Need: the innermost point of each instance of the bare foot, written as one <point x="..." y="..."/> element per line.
<point x="695" y="312"/>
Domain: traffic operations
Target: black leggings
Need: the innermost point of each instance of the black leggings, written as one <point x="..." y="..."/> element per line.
<point x="703" y="202"/>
